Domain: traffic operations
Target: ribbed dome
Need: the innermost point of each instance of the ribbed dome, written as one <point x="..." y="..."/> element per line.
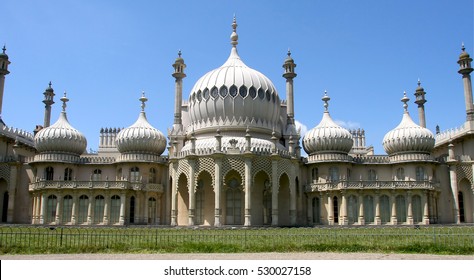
<point x="61" y="137"/>
<point x="408" y="137"/>
<point x="327" y="136"/>
<point x="234" y="95"/>
<point x="141" y="137"/>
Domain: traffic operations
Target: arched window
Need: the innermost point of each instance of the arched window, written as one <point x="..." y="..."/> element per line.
<point x="352" y="209"/>
<point x="51" y="203"/>
<point x="132" y="210"/>
<point x="114" y="209"/>
<point x="401" y="209"/>
<point x="67" y="209"/>
<point x="314" y="174"/>
<point x="199" y="218"/>
<point x="97" y="175"/>
<point x="372" y="175"/>
<point x="368" y="209"/>
<point x="462" y="217"/>
<point x="83" y="207"/>
<point x="416" y="209"/>
<point x="4" y="207"/>
<point x="420" y="173"/>
<point x="333" y="174"/>
<point x="384" y="209"/>
<point x="119" y="174"/>
<point x="134" y="174"/>
<point x="68" y="174"/>
<point x="152" y="210"/>
<point x="233" y="203"/>
<point x="99" y="204"/>
<point x="49" y="173"/>
<point x="400" y="174"/>
<point x="316" y="214"/>
<point x="267" y="203"/>
<point x="335" y="207"/>
<point x="152" y="176"/>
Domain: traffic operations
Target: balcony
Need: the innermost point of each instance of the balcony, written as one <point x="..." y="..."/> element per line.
<point x="371" y="185"/>
<point x="95" y="185"/>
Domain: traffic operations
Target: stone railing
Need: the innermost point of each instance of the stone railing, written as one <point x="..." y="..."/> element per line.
<point x="372" y="185"/>
<point x="447" y="135"/>
<point x="22" y="136"/>
<point x="95" y="185"/>
<point x="231" y="151"/>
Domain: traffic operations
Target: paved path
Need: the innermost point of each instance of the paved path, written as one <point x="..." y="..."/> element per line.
<point x="243" y="256"/>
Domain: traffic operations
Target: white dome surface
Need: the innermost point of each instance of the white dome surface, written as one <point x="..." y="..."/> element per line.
<point x="234" y="95"/>
<point x="327" y="137"/>
<point x="60" y="137"/>
<point x="141" y="137"/>
<point x="408" y="137"/>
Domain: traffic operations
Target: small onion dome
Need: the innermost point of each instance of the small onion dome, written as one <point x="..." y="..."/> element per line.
<point x="179" y="59"/>
<point x="141" y="137"/>
<point x="327" y="136"/>
<point x="289" y="59"/>
<point x="408" y="137"/>
<point x="463" y="54"/>
<point x="61" y="137"/>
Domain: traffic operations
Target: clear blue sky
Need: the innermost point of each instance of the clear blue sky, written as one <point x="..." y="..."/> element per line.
<point x="364" y="53"/>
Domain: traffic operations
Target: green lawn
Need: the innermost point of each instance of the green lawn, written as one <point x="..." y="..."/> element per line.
<point x="41" y="240"/>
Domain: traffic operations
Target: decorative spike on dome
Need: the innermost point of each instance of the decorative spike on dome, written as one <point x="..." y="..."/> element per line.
<point x="4" y="49"/>
<point x="234" y="37"/>
<point x="462" y="47"/>
<point x="405" y="100"/>
<point x="143" y="100"/>
<point x="326" y="98"/>
<point x="289" y="52"/>
<point x="64" y="99"/>
<point x="179" y="53"/>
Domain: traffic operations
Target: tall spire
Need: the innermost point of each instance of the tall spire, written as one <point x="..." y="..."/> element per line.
<point x="234" y="37"/>
<point x="420" y="100"/>
<point x="4" y="62"/>
<point x="289" y="74"/>
<point x="48" y="101"/>
<point x="465" y="70"/>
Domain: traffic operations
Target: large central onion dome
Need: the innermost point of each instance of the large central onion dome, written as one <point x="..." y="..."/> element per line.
<point x="408" y="137"/>
<point x="234" y="95"/>
<point x="327" y="136"/>
<point x="141" y="137"/>
<point x="61" y="137"/>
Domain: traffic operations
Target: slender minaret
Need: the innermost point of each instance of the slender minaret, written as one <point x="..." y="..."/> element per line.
<point x="4" y="62"/>
<point x="420" y="100"/>
<point x="48" y="101"/>
<point x="179" y="75"/>
<point x="289" y="66"/>
<point x="465" y="70"/>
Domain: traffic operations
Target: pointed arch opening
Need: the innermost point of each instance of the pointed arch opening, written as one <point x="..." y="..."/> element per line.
<point x="205" y="200"/>
<point x="183" y="200"/>
<point x="234" y="199"/>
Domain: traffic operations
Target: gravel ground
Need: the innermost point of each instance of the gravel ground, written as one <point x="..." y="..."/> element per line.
<point x="243" y="256"/>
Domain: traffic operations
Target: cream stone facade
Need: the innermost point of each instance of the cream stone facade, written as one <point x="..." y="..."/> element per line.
<point x="234" y="158"/>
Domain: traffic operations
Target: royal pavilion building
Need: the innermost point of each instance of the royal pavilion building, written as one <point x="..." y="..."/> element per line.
<point x="234" y="159"/>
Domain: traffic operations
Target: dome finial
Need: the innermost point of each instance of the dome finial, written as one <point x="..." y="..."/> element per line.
<point x="462" y="47"/>
<point x="405" y="100"/>
<point x="64" y="99"/>
<point x="326" y="98"/>
<point x="50" y="84"/>
<point x="143" y="99"/>
<point x="234" y="37"/>
<point x="4" y="48"/>
<point x="289" y="52"/>
<point x="179" y="53"/>
<point x="419" y="82"/>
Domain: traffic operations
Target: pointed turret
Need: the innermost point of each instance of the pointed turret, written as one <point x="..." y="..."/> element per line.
<point x="4" y="62"/>
<point x="465" y="70"/>
<point x="289" y="66"/>
<point x="179" y="75"/>
<point x="420" y="101"/>
<point x="48" y="101"/>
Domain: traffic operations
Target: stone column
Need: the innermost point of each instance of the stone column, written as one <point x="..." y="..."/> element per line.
<point x="343" y="220"/>
<point x="394" y="209"/>
<point x="146" y="208"/>
<point x="59" y="207"/>
<point x="310" y="210"/>
<point x="248" y="200"/>
<point x="90" y="209"/>
<point x="361" y="208"/>
<point x="122" y="209"/>
<point x="426" y="217"/>
<point x="330" y="210"/>
<point x="275" y="190"/>
<point x="106" y="208"/>
<point x="410" y="209"/>
<point x="292" y="197"/>
<point x="377" y="219"/>
<point x="42" y="208"/>
<point x="11" y="192"/>
<point x="217" y="191"/>
<point x="192" y="192"/>
<point x="454" y="191"/>
<point x="74" y="210"/>
<point x="174" y="193"/>
<point x="34" y="213"/>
